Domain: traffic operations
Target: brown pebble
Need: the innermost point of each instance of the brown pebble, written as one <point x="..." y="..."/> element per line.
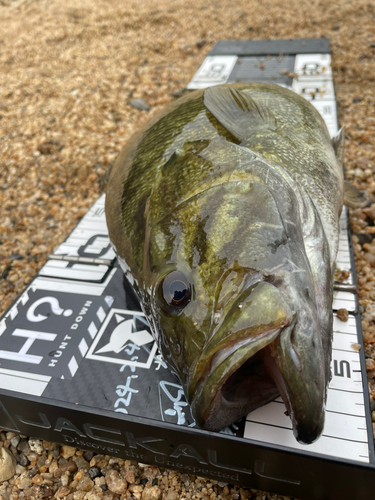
<point x="115" y="482"/>
<point x="37" y="479"/>
<point x="135" y="488"/>
<point x="130" y="475"/>
<point x="7" y="464"/>
<point x="67" y="451"/>
<point x="81" y="463"/>
<point x="370" y="212"/>
<point x="343" y="315"/>
<point x="85" y="483"/>
<point x="151" y="493"/>
<point x="341" y="275"/>
<point x="47" y="445"/>
<point x="79" y="495"/>
<point x="23" y="482"/>
<point x="69" y="466"/>
<point x="62" y="492"/>
<point x="102" y="463"/>
<point x="53" y="467"/>
<point x="79" y="475"/>
<point x="171" y="494"/>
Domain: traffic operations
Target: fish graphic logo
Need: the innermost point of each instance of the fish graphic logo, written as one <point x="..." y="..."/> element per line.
<point x="125" y="339"/>
<point x="125" y="332"/>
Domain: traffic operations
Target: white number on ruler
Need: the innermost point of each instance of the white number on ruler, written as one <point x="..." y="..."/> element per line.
<point x="313" y="66"/>
<point x="214" y="70"/>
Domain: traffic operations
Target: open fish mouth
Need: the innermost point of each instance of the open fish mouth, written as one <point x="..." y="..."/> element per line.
<point x="234" y="382"/>
<point x="248" y="374"/>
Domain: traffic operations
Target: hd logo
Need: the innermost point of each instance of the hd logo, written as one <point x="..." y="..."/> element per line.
<point x="48" y="333"/>
<point x="124" y="339"/>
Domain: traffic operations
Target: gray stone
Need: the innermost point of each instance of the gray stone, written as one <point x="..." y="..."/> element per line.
<point x="23" y="446"/>
<point x="139" y="104"/>
<point x="94" y="472"/>
<point x="81" y="463"/>
<point x="14" y="441"/>
<point x="22" y="459"/>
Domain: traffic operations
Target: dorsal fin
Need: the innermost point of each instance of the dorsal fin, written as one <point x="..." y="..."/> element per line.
<point x="237" y="111"/>
<point x="338" y="144"/>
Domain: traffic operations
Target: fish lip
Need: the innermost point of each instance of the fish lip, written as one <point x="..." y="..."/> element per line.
<point x="205" y="383"/>
<point x="223" y="354"/>
<point x="306" y="414"/>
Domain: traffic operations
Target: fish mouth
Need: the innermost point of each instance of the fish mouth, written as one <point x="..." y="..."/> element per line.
<point x="249" y="374"/>
<point x="234" y="382"/>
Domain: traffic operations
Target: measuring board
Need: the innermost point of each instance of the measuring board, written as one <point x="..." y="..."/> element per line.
<point x="79" y="366"/>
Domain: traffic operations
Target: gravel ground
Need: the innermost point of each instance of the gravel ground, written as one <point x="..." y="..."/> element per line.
<point x="68" y="72"/>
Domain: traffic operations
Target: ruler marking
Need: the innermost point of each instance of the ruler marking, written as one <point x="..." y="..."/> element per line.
<point x="344" y="439"/>
<point x="270" y="425"/>
<point x="343" y="413"/>
<point x="344" y="390"/>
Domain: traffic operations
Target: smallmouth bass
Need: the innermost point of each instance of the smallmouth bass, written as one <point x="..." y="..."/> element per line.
<point x="223" y="211"/>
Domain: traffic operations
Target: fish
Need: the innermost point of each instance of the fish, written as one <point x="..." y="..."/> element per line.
<point x="223" y="211"/>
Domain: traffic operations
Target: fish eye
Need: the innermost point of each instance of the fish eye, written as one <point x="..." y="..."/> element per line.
<point x="176" y="290"/>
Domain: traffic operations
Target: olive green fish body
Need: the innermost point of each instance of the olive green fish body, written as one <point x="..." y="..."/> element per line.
<point x="224" y="215"/>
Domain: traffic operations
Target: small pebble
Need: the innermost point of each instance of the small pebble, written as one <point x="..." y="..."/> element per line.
<point x="23" y="446"/>
<point x="62" y="492"/>
<point x="151" y="493"/>
<point x="22" y="460"/>
<point x="343" y="315"/>
<point x="67" y="467"/>
<point x="47" y="445"/>
<point x="41" y="460"/>
<point x="131" y="474"/>
<point x="67" y="451"/>
<point x="20" y="469"/>
<point x="171" y="495"/>
<point x="32" y="472"/>
<point x="23" y="481"/>
<point x="94" y="472"/>
<point x="139" y="104"/>
<point x="85" y="483"/>
<point x="37" y="479"/>
<point x="88" y="455"/>
<point x="36" y="445"/>
<point x="15" y="440"/>
<point x="81" y="463"/>
<point x="7" y="464"/>
<point x="116" y="483"/>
